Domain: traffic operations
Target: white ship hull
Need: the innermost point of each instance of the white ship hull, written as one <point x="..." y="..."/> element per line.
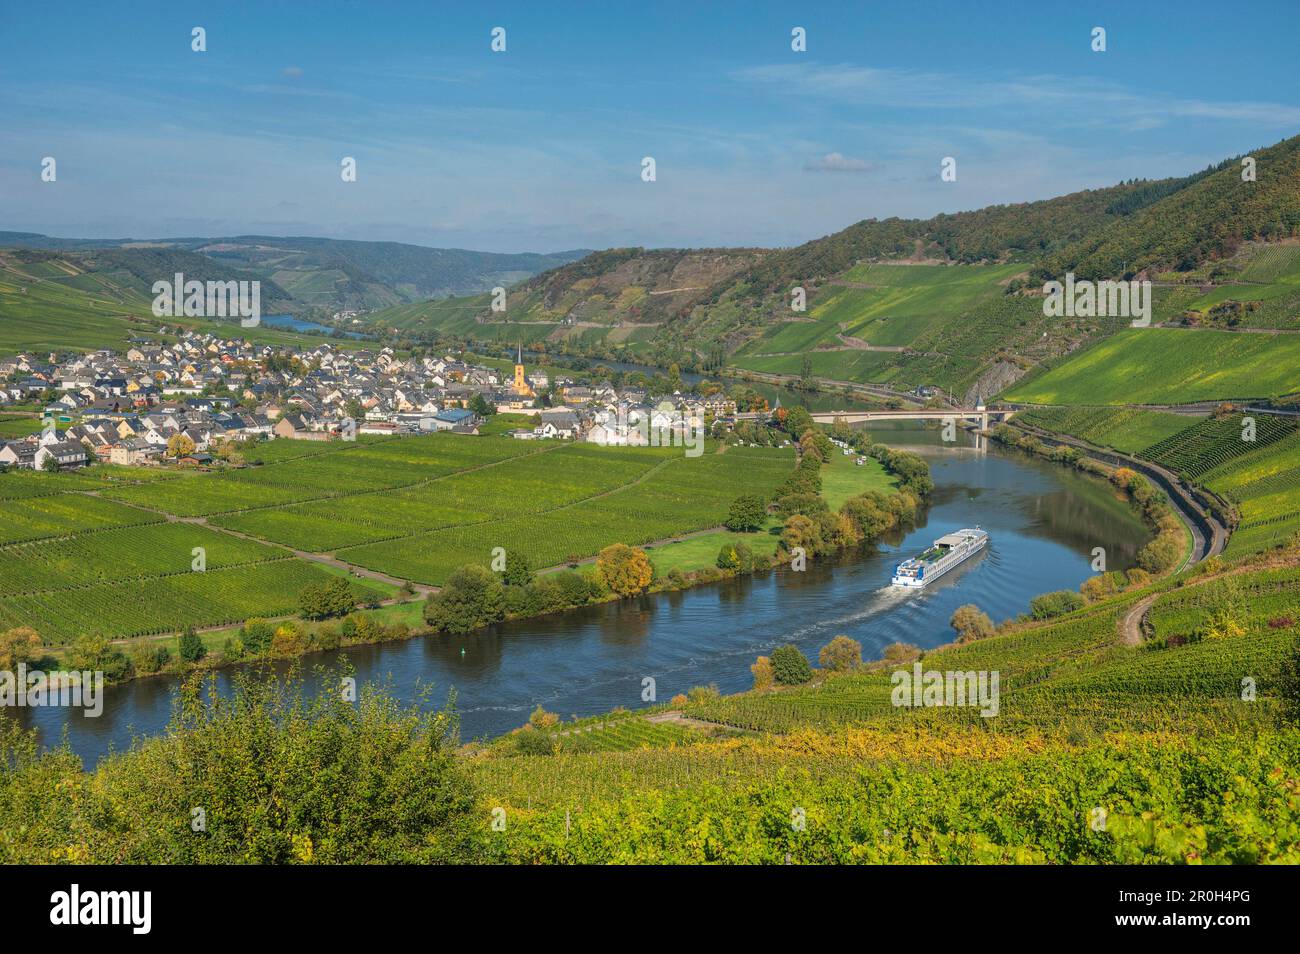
<point x="948" y="551"/>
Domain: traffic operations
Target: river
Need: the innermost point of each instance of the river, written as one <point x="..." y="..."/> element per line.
<point x="1043" y="521"/>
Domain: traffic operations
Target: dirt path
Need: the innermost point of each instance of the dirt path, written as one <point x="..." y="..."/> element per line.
<point x="1130" y="627"/>
<point x="676" y="717"/>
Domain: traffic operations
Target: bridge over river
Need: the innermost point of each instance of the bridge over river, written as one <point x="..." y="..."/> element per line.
<point x="978" y="415"/>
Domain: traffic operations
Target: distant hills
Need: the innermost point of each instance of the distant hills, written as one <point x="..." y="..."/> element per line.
<point x="950" y="301"/>
<point x="301" y="273"/>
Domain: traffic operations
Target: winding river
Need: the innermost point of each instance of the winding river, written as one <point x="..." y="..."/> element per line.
<point x="1043" y="519"/>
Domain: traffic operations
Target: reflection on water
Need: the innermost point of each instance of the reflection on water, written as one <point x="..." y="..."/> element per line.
<point x="1043" y="522"/>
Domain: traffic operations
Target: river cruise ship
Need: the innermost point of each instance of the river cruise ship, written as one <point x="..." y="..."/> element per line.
<point x="940" y="557"/>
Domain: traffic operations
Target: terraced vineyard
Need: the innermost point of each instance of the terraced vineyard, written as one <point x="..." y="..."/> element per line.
<point x="1169" y="366"/>
<point x="1129" y="430"/>
<point x="1210" y="444"/>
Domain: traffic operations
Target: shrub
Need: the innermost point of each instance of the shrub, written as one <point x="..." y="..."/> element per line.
<point x="735" y="556"/>
<point x="898" y="653"/>
<point x="699" y="694"/>
<point x="1057" y="603"/>
<point x="790" y="666"/>
<point x="764" y="676"/>
<point x="541" y="719"/>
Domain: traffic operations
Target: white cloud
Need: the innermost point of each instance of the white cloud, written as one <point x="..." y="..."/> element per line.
<point x="838" y="162"/>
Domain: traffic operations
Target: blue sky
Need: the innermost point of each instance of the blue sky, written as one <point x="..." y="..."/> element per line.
<point x="539" y="148"/>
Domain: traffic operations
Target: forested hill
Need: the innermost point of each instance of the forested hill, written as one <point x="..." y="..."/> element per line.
<point x="1204" y="222"/>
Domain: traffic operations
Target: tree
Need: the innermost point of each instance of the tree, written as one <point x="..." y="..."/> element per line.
<point x="178" y="445"/>
<point x="747" y="513"/>
<point x="790" y="666"/>
<point x="481" y="406"/>
<point x="797" y="421"/>
<point x="190" y="646"/>
<point x="764" y="676"/>
<point x="800" y="531"/>
<point x="22" y="644"/>
<point x="472" y="597"/>
<point x="50" y="465"/>
<point x="840" y="654"/>
<point x="971" y="623"/>
<point x="518" y="572"/>
<point x="625" y="570"/>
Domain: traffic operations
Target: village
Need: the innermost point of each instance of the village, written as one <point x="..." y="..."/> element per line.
<point x="188" y="402"/>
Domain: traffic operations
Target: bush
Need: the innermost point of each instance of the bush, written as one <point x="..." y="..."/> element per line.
<point x="1054" y="604"/>
<point x="764" y="676"/>
<point x="790" y="666"/>
<point x="541" y="719"/>
<point x="899" y="653"/>
<point x="840" y="655"/>
<point x="531" y="741"/>
<point x="735" y="556"/>
<point x="149" y="658"/>
<point x="700" y="694"/>
<point x="970" y="623"/>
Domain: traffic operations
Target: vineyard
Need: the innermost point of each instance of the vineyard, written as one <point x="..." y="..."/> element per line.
<point x="1168" y="366"/>
<point x="108" y="555"/>
<point x="1129" y="430"/>
<point x="1084" y="721"/>
<point x="163" y="604"/>
<point x="674" y="496"/>
<point x="1208" y="445"/>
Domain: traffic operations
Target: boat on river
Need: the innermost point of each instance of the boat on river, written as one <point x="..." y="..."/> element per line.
<point x="948" y="551"/>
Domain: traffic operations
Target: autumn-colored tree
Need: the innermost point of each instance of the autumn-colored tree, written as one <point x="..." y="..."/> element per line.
<point x="178" y="445"/>
<point x="21" y="644"/>
<point x="840" y="654"/>
<point x="764" y="675"/>
<point x="625" y="570"/>
<point x="971" y="623"/>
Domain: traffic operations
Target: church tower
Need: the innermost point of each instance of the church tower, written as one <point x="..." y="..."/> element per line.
<point x="521" y="386"/>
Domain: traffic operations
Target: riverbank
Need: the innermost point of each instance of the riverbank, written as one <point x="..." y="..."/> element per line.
<point x="679" y="563"/>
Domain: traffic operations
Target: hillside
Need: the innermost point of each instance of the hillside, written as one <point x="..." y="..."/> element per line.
<point x="57" y="301"/>
<point x="302" y="273"/>
<point x="948" y="301"/>
<point x="1206" y="221"/>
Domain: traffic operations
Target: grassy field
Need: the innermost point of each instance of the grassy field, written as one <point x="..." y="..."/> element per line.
<point x="1168" y="366"/>
<point x="842" y="478"/>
